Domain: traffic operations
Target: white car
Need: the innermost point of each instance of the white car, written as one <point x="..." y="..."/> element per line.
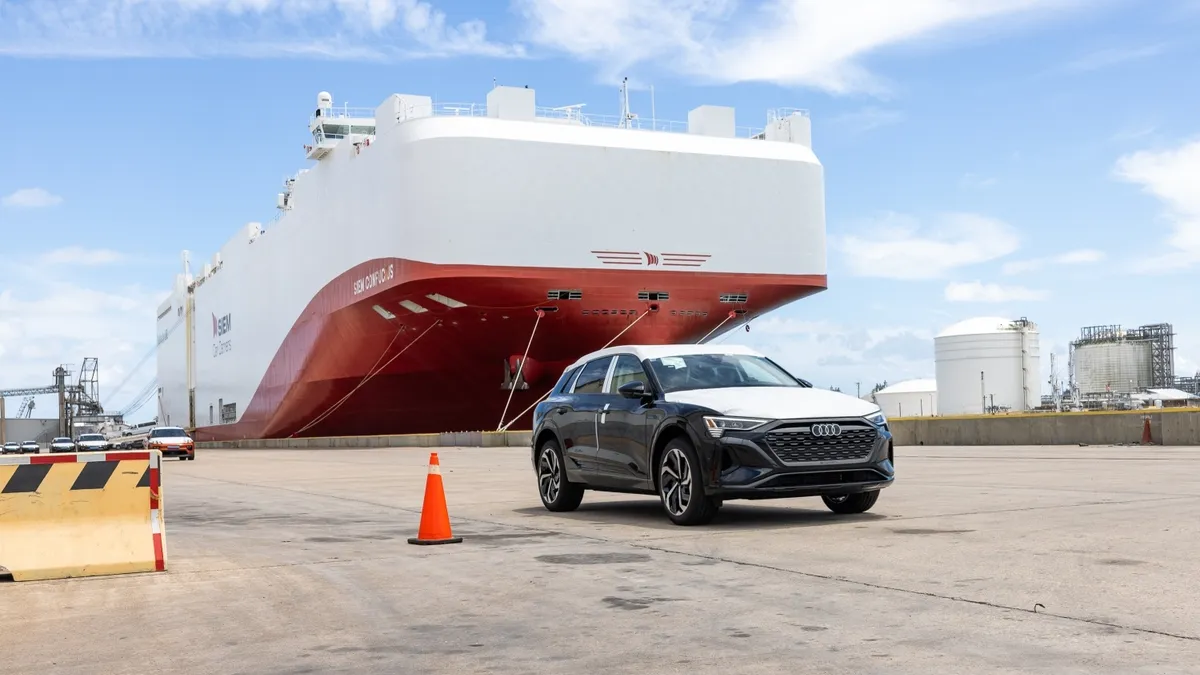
<point x="62" y="444"/>
<point x="92" y="443"/>
<point x="172" y="442"/>
<point x="701" y="424"/>
<point x="30" y="446"/>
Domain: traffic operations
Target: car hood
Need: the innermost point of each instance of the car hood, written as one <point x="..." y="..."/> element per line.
<point x="776" y="402"/>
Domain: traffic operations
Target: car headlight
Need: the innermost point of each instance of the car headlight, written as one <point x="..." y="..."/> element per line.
<point x="877" y="418"/>
<point x="719" y="425"/>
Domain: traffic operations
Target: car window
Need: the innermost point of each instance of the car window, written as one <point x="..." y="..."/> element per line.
<point x="564" y="382"/>
<point x="91" y="437"/>
<point x="628" y="369"/>
<point x="166" y="432"/>
<point x="591" y="378"/>
<point x="715" y="371"/>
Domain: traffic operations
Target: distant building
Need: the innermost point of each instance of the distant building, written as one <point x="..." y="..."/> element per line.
<point x="911" y="398"/>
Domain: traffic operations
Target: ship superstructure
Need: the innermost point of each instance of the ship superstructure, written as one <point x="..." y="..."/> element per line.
<point x="438" y="265"/>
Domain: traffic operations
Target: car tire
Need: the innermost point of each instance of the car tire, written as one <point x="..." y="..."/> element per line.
<point x="681" y="487"/>
<point x="556" y="492"/>
<point x="860" y="502"/>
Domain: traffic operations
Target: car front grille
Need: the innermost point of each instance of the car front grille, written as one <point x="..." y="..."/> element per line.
<point x="797" y="444"/>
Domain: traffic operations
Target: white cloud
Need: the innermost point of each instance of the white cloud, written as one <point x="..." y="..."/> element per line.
<point x="867" y="119"/>
<point x="788" y="42"/>
<point x="31" y="198"/>
<point x="46" y="321"/>
<point x="977" y="291"/>
<point x="897" y="247"/>
<point x="336" y="29"/>
<point x="829" y="353"/>
<point x="1105" y="58"/>
<point x="77" y="255"/>
<point x="970" y="180"/>
<point x="1173" y="176"/>
<point x="1077" y="257"/>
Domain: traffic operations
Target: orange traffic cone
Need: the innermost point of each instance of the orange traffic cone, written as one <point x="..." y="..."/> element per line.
<point x="435" y="519"/>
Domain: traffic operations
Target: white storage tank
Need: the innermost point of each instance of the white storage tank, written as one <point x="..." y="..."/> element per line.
<point x="987" y="359"/>
<point x="1119" y="367"/>
<point x="910" y="398"/>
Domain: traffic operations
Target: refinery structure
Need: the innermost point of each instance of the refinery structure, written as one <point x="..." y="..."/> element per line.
<point x="438" y="265"/>
<point x="992" y="365"/>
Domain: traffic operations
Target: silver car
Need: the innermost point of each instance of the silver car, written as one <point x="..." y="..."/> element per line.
<point x="30" y="446"/>
<point x="62" y="444"/>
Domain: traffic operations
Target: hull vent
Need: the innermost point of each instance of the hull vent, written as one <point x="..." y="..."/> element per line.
<point x="564" y="295"/>
<point x="653" y="295"/>
<point x="734" y="298"/>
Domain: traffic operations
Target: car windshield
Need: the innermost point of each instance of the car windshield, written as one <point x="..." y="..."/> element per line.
<point x="716" y="371"/>
<point x="61" y="440"/>
<point x="91" y="437"/>
<point x="167" y="432"/>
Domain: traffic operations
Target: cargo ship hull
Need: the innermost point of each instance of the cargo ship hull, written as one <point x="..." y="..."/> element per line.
<point x="437" y="271"/>
<point x="344" y="371"/>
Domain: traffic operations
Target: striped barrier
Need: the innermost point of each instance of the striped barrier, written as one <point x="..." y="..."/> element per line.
<point x="81" y="514"/>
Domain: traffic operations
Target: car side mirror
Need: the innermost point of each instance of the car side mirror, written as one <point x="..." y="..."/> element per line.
<point x="633" y="390"/>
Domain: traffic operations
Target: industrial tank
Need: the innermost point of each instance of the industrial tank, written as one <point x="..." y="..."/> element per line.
<point x="987" y="359"/>
<point x="1123" y="367"/>
<point x="911" y="398"/>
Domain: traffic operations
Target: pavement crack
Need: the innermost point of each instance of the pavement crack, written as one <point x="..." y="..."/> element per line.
<point x="910" y="591"/>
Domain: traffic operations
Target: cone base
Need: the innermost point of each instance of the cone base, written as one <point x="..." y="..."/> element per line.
<point x="433" y="542"/>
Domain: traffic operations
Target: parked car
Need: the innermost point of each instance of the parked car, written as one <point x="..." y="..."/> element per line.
<point x="30" y="446"/>
<point x="62" y="444"/>
<point x="11" y="448"/>
<point x="700" y="424"/>
<point x="92" y="443"/>
<point x="172" y="442"/>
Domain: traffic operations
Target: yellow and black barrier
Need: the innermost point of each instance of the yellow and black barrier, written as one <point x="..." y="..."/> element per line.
<point x="81" y="514"/>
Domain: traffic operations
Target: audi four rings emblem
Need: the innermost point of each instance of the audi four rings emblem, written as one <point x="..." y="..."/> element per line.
<point x="826" y="430"/>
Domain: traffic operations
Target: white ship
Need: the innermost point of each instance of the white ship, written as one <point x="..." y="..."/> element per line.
<point x="438" y="265"/>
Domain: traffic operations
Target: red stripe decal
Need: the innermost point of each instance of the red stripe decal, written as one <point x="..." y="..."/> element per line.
<point x="118" y="456"/>
<point x="153" y="488"/>
<point x="51" y="459"/>
<point x="159" y="563"/>
<point x="686" y="255"/>
<point x="617" y="252"/>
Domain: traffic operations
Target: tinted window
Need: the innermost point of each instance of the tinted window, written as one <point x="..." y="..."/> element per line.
<point x="714" y="371"/>
<point x="564" y="382"/>
<point x="628" y="369"/>
<point x="591" y="378"/>
<point x="167" y="431"/>
<point x="91" y="437"/>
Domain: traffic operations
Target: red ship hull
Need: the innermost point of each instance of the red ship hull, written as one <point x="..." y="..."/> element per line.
<point x="346" y="369"/>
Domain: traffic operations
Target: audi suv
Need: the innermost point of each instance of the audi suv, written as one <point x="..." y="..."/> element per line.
<point x="700" y="424"/>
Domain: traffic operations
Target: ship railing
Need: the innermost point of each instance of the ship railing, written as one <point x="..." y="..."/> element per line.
<point x="573" y="115"/>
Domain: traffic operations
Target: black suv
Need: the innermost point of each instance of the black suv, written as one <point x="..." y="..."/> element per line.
<point x="699" y="424"/>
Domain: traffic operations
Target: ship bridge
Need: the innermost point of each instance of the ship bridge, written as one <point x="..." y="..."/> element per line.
<point x="330" y="125"/>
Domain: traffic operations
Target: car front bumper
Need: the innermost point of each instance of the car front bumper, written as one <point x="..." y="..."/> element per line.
<point x="745" y="465"/>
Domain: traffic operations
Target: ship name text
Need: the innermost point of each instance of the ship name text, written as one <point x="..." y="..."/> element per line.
<point x="379" y="276"/>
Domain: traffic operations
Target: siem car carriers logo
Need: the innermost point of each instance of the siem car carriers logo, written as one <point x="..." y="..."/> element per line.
<point x="648" y="259"/>
<point x="221" y="327"/>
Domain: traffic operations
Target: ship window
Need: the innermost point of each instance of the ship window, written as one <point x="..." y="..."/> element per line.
<point x="362" y="130"/>
<point x="591" y="378"/>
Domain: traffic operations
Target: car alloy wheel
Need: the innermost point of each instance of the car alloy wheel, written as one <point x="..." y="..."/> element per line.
<point x="675" y="482"/>
<point x="549" y="475"/>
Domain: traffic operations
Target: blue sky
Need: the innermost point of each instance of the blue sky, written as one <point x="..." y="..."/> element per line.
<point x="1035" y="158"/>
